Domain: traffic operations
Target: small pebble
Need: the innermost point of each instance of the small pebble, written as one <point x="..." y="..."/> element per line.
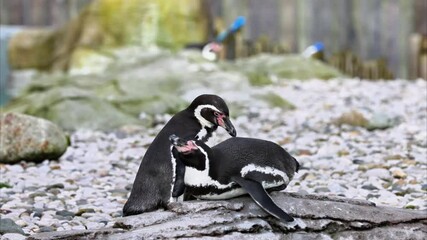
<point x="398" y="173"/>
<point x="56" y="185"/>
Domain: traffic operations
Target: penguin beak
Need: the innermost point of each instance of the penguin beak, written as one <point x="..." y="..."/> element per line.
<point x="228" y="126"/>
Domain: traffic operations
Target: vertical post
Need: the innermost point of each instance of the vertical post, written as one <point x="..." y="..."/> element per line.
<point x="422" y="72"/>
<point x="304" y="24"/>
<point x="4" y="13"/>
<point x="405" y="30"/>
<point x="37" y="12"/>
<point x="59" y="15"/>
<point x="288" y="24"/>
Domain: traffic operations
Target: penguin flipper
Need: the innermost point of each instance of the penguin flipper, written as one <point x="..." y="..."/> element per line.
<point x="261" y="197"/>
<point x="179" y="184"/>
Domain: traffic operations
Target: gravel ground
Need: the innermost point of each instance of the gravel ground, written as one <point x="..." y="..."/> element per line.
<point x="88" y="186"/>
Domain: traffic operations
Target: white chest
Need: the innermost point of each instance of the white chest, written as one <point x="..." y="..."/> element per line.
<point x="197" y="178"/>
<point x="202" y="134"/>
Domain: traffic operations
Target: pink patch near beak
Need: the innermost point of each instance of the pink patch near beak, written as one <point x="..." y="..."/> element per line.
<point x="189" y="147"/>
<point x="220" y="120"/>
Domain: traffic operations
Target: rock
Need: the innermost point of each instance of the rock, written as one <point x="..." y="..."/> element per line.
<point x="76" y="234"/>
<point x="353" y="118"/>
<point x="37" y="214"/>
<point x="89" y="113"/>
<point x="65" y="213"/>
<point x="275" y="100"/>
<point x="321" y="190"/>
<point x="381" y="120"/>
<point x="85" y="210"/>
<point x="317" y="217"/>
<point x="336" y="188"/>
<point x="31" y="48"/>
<point x="30" y="139"/>
<point x="4" y="185"/>
<point x="21" y="223"/>
<point x="358" y="161"/>
<point x="380" y="173"/>
<point x="399" y="231"/>
<point x="163" y="23"/>
<point x="369" y="187"/>
<point x="416" y="204"/>
<point x="262" y="68"/>
<point x="53" y="186"/>
<point x="13" y="236"/>
<point x="37" y="194"/>
<point x="398" y="173"/>
<point x="46" y="229"/>
<point x="7" y="225"/>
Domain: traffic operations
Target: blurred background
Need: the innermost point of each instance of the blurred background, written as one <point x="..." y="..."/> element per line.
<point x="392" y="31"/>
<point x="367" y="39"/>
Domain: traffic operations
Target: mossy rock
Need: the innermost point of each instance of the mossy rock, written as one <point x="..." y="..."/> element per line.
<point x="274" y="100"/>
<point x="259" y="78"/>
<point x="159" y="104"/>
<point x="88" y="113"/>
<point x="32" y="48"/>
<point x="106" y="24"/>
<point x="261" y="68"/>
<point x="352" y="118"/>
<point x="137" y="81"/>
<point x="89" y="61"/>
<point x="4" y="185"/>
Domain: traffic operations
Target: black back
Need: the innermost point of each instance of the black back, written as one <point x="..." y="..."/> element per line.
<point x="229" y="157"/>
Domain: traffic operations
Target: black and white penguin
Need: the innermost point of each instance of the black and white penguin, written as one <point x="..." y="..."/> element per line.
<point x="235" y="167"/>
<point x="153" y="182"/>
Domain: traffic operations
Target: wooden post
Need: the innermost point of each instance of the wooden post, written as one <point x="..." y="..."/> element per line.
<point x="422" y="72"/>
<point x="59" y="13"/>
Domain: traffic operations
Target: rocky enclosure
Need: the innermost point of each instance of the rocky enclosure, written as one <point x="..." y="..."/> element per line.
<point x="86" y="188"/>
<point x="241" y="218"/>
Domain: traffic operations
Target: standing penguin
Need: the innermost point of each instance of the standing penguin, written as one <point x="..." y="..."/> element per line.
<point x="234" y="167"/>
<point x="152" y="186"/>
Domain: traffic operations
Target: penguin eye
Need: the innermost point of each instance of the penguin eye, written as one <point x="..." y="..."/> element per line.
<point x="216" y="114"/>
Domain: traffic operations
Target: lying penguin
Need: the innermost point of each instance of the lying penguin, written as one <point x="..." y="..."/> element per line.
<point x="152" y="186"/>
<point x="235" y="167"/>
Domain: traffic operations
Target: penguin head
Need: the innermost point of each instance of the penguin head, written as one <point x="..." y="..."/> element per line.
<point x="192" y="153"/>
<point x="182" y="146"/>
<point x="211" y="111"/>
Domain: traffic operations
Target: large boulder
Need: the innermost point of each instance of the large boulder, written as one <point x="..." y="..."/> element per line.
<point x="153" y="82"/>
<point x="7" y="225"/>
<point x="32" y="48"/>
<point x="106" y="24"/>
<point x="30" y="139"/>
<point x="88" y="113"/>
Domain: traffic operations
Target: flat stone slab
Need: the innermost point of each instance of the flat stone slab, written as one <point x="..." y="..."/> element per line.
<point x="316" y="218"/>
